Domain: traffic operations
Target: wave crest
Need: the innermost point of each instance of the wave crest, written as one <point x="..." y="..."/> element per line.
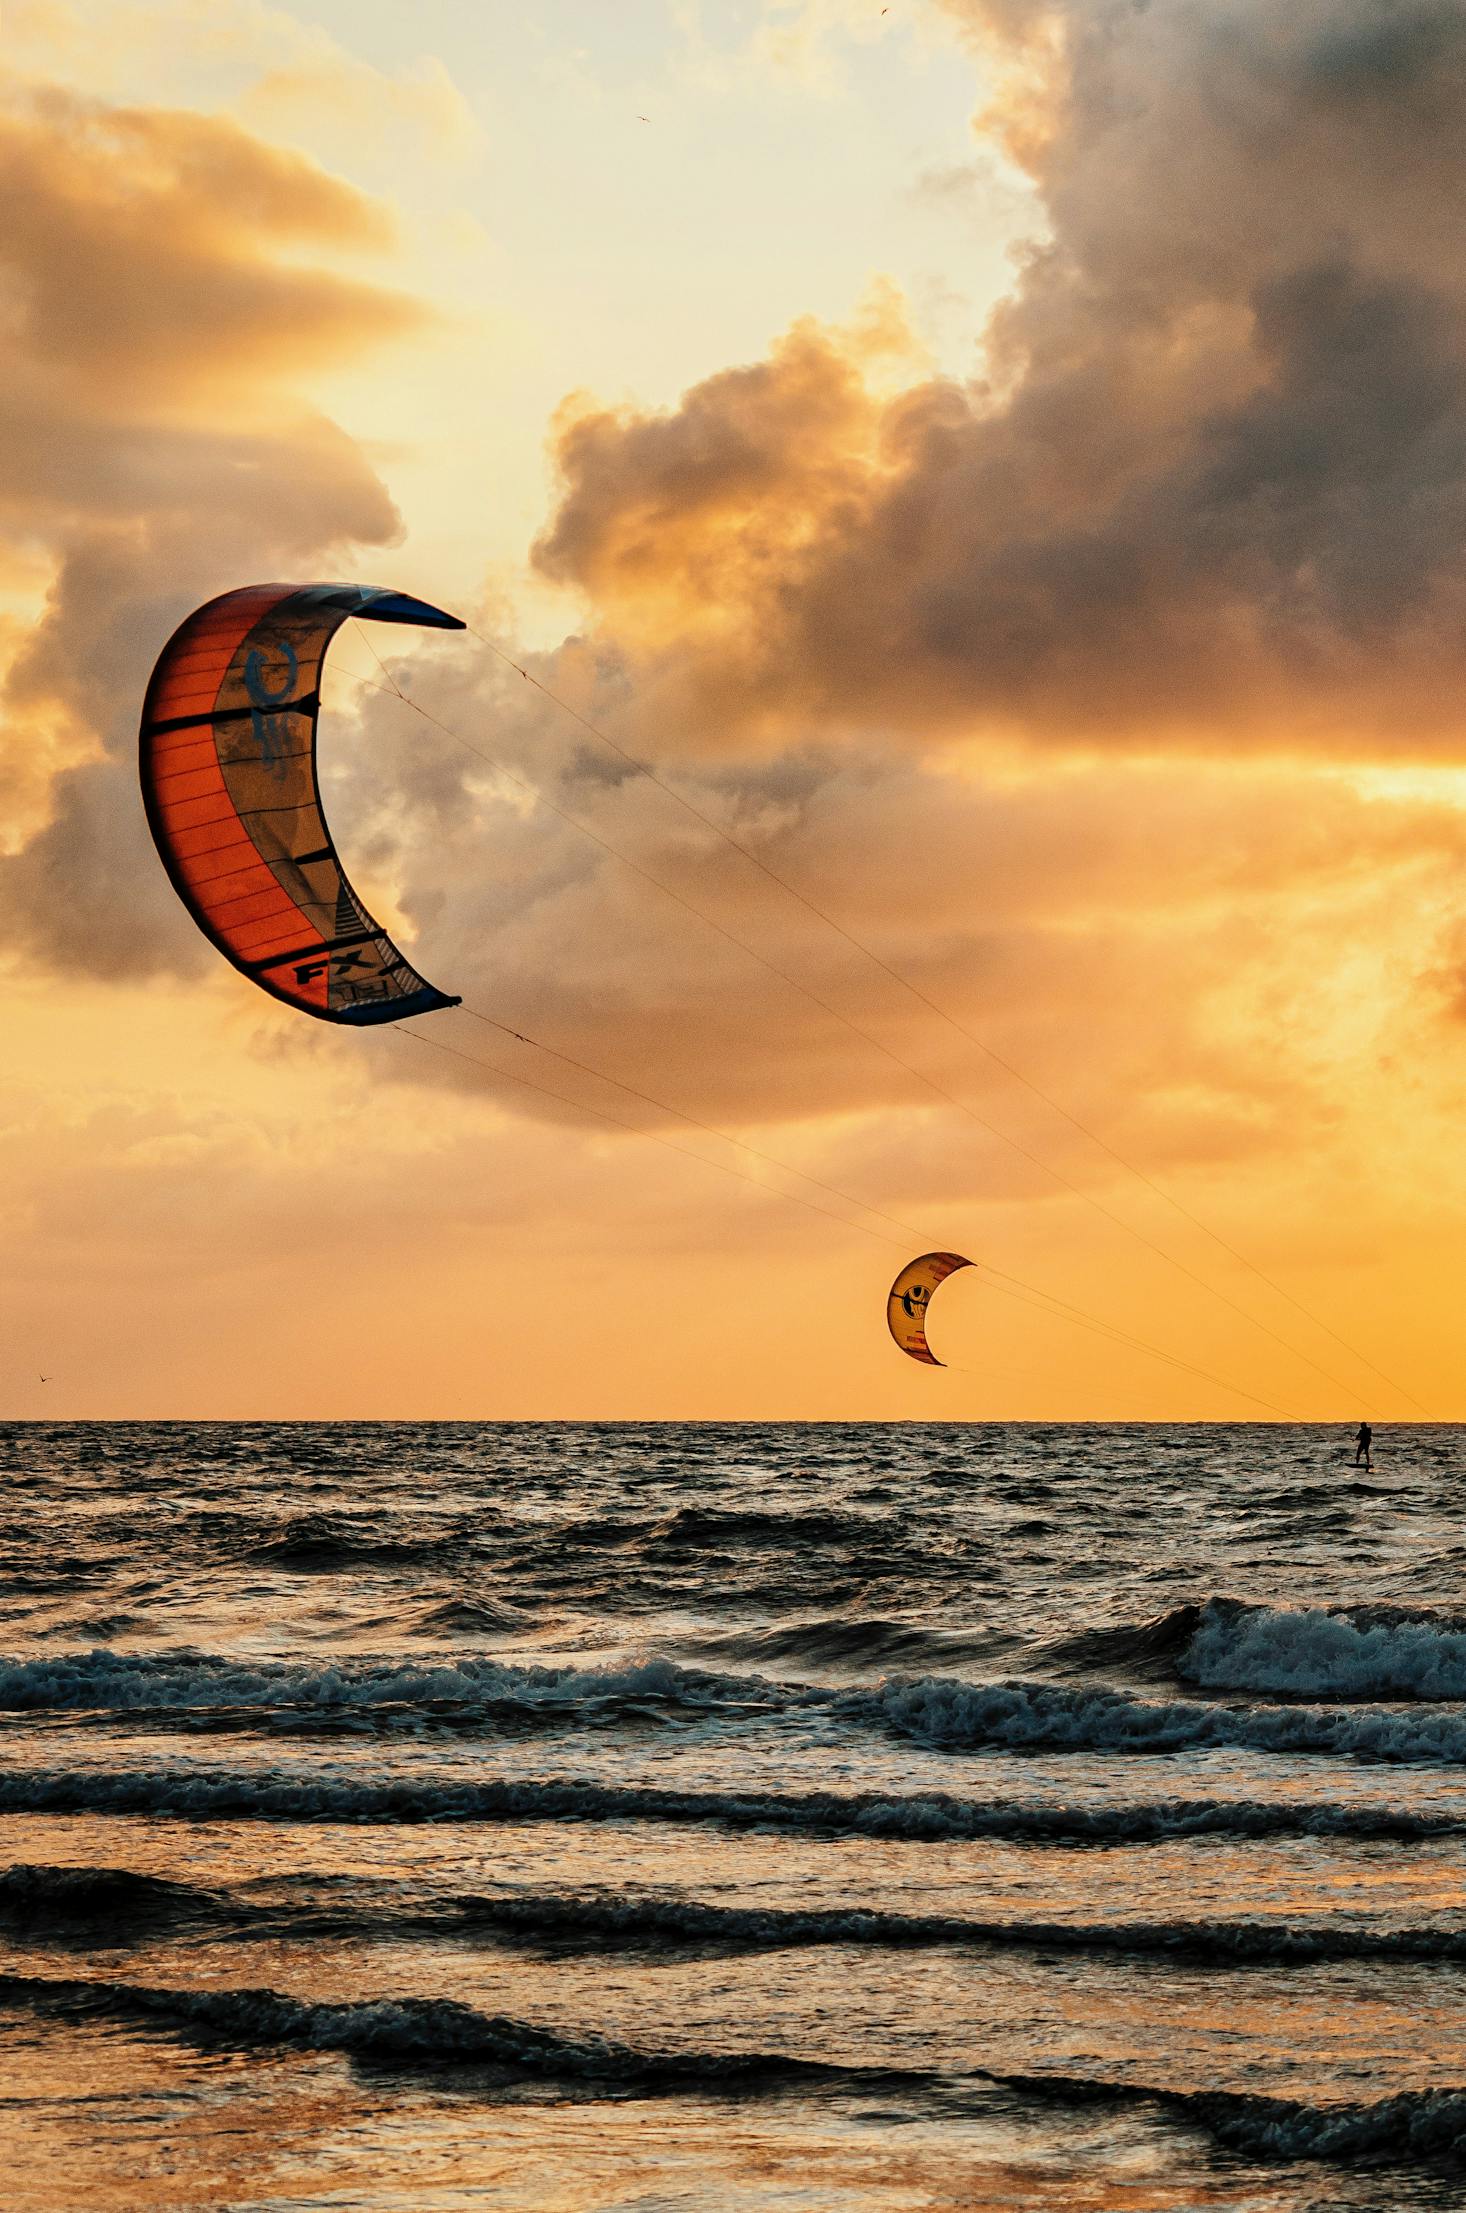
<point x="1327" y="1652"/>
<point x="103" y="1680"/>
<point x="192" y="1793"/>
<point x="414" y="2032"/>
<point x="441" y="2033"/>
<point x="950" y="1715"/>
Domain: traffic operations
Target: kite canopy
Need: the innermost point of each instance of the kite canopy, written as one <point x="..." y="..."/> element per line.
<point x="228" y="765"/>
<point x="910" y="1297"/>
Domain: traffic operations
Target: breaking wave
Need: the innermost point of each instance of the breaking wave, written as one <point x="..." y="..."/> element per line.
<point x="1414" y="2126"/>
<point x="218" y="1794"/>
<point x="106" y="1681"/>
<point x="1327" y="1652"/>
<point x="1024" y="1716"/>
<point x="1220" y="1644"/>
<point x="944" y="1712"/>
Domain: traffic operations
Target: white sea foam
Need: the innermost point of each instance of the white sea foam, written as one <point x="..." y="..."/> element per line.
<point x="1419" y="2125"/>
<point x="944" y="1712"/>
<point x="956" y="1716"/>
<point x="102" y="1680"/>
<point x="1315" y="1652"/>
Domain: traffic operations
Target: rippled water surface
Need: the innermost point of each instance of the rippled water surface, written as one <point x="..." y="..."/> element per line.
<point x="852" y="1819"/>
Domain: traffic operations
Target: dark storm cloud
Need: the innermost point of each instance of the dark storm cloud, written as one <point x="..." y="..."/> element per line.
<point x="1213" y="479"/>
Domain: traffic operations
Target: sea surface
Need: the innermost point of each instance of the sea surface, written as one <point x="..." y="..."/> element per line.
<point x="560" y="1818"/>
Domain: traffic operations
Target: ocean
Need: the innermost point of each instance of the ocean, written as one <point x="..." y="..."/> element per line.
<point x="559" y="1818"/>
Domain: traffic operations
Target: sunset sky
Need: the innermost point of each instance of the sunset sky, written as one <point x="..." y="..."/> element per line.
<point x="1004" y="463"/>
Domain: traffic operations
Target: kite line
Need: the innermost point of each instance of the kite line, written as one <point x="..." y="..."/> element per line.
<point x="1007" y="1285"/>
<point x="393" y="688"/>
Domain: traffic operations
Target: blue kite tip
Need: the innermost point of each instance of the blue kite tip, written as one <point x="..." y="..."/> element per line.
<point x="383" y="606"/>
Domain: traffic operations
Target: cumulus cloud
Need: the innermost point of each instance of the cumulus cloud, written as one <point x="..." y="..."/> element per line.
<point x="818" y="548"/>
<point x="1212" y="478"/>
<point x="167" y="283"/>
<point x="1203" y="909"/>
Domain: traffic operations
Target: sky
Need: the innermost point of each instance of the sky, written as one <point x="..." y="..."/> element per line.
<point x="999" y="465"/>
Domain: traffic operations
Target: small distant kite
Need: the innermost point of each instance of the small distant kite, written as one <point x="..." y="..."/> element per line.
<point x="228" y="766"/>
<point x="910" y="1296"/>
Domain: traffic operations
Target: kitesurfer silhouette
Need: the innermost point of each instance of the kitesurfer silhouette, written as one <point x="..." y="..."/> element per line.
<point x="1362" y="1444"/>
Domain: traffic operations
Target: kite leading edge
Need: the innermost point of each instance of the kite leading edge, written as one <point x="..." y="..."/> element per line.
<point x="227" y="756"/>
<point x="910" y="1296"/>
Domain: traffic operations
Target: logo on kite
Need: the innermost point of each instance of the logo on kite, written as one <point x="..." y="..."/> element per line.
<point x="227" y="755"/>
<point x="910" y="1296"/>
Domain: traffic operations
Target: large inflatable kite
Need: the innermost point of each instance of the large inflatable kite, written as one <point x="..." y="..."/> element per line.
<point x="228" y="763"/>
<point x="910" y="1297"/>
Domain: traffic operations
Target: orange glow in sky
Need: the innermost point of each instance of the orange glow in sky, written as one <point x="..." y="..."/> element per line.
<point x="1040" y="564"/>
